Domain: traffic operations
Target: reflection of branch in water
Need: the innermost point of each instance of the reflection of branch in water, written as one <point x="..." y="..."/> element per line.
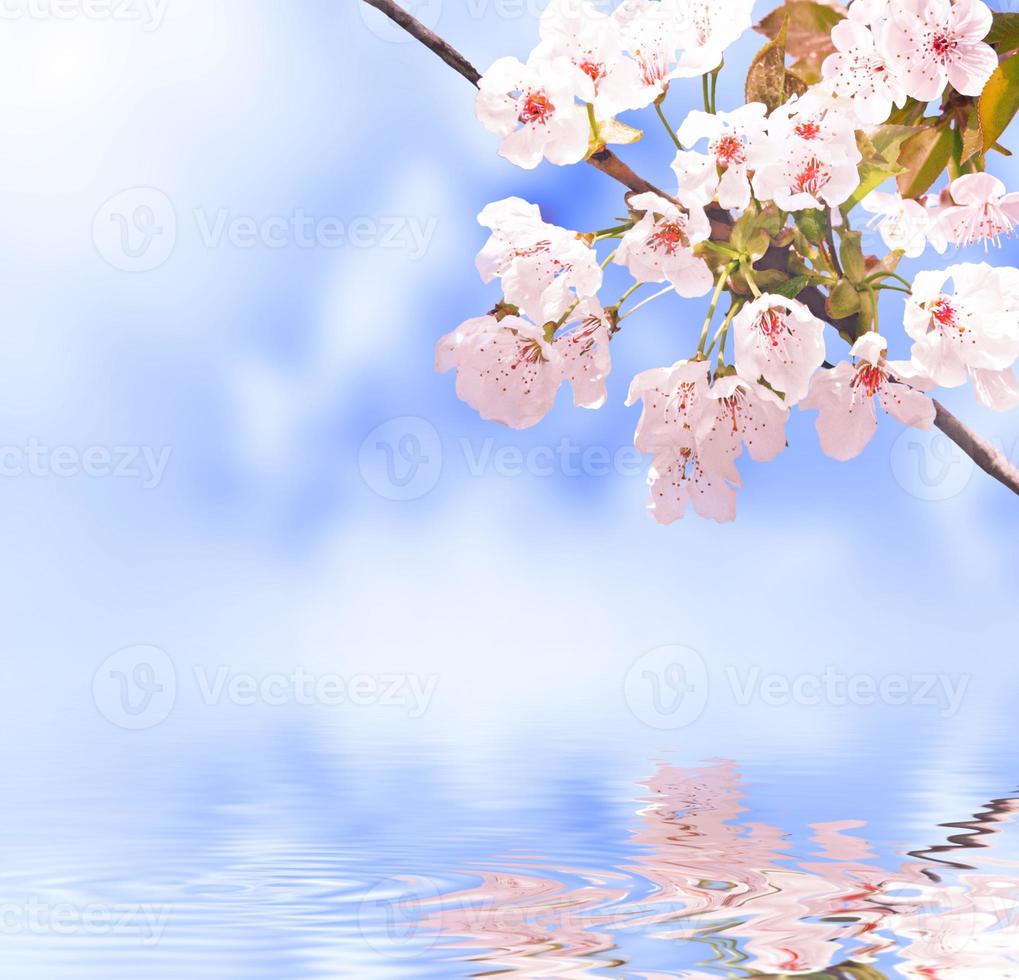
<point x="983" y="824"/>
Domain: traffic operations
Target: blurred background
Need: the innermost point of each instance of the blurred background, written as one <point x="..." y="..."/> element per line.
<point x="285" y="619"/>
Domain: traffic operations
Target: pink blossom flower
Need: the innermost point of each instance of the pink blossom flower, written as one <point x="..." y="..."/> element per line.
<point x="591" y="41"/>
<point x="658" y="247"/>
<point x="780" y="340"/>
<point x="652" y="31"/>
<point x="809" y="157"/>
<point x="509" y="371"/>
<point x="934" y="42"/>
<point x="655" y="31"/>
<point x="505" y="369"/>
<point x="712" y="25"/>
<point x="533" y="108"/>
<point x="583" y="345"/>
<point x="739" y="413"/>
<point x="974" y="327"/>
<point x="672" y="402"/>
<point x="679" y="478"/>
<point x="675" y="401"/>
<point x="868" y="11"/>
<point x="982" y="210"/>
<point x="845" y="399"/>
<point x="906" y="225"/>
<point x="544" y="269"/>
<point x="723" y="171"/>
<point x="697" y="431"/>
<point x="859" y="71"/>
<point x="997" y="390"/>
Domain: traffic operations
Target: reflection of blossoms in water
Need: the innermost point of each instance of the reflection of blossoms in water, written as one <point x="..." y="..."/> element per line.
<point x="733" y="894"/>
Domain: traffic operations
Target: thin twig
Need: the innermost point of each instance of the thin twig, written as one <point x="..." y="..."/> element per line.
<point x="986" y="456"/>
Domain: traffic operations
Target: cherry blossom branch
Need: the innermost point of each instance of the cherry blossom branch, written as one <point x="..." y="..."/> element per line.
<point x="985" y="455"/>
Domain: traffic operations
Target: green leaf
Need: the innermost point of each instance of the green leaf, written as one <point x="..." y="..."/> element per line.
<point x="770" y="280"/>
<point x="1004" y="34"/>
<point x="771" y="219"/>
<point x="742" y="230"/>
<point x="792" y="288"/>
<point x="766" y="75"/>
<point x="872" y="176"/>
<point x="759" y="243"/>
<point x="924" y="156"/>
<point x="887" y="140"/>
<point x="868" y="312"/>
<point x="851" y="253"/>
<point x="999" y="101"/>
<point x="843" y="300"/>
<point x="955" y="168"/>
<point x="879" y="148"/>
<point x="813" y="223"/>
<point x="972" y="138"/>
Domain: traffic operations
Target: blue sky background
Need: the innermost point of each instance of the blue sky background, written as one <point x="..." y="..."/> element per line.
<point x="266" y="373"/>
<point x="263" y="370"/>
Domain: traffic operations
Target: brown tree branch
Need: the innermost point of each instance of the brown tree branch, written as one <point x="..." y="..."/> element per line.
<point x="988" y="457"/>
<point x="428" y="38"/>
<point x="985" y="455"/>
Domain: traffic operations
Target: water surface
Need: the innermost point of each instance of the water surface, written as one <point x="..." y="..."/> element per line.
<point x="298" y="854"/>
